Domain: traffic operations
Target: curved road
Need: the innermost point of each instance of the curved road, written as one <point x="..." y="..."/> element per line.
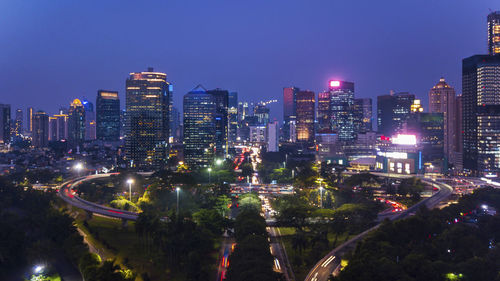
<point x="68" y="195"/>
<point x="329" y="264"/>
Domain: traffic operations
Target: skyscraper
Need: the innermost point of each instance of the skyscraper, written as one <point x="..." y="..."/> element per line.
<point x="363" y="115"/>
<point x="76" y="124"/>
<point x="4" y="123"/>
<point x="393" y="111"/>
<point x="233" y="117"/>
<point x="40" y="134"/>
<point x="342" y="109"/>
<point x="221" y="121"/>
<point x="481" y="113"/>
<point x="147" y="105"/>
<point x="305" y="114"/>
<point x="29" y="119"/>
<point x="107" y="116"/>
<point x="90" y="120"/>
<point x="272" y="137"/>
<point x="199" y="127"/>
<point x="442" y="100"/>
<point x="261" y="111"/>
<point x="324" y="111"/>
<point x="289" y="111"/>
<point x="494" y="33"/>
<point x="175" y="123"/>
<point x="18" y="122"/>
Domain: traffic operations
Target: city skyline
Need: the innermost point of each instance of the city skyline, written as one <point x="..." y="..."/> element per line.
<point x="311" y="67"/>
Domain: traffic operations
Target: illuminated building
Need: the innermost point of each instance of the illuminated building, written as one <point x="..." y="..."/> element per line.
<point x="29" y="119"/>
<point x="400" y="154"/>
<point x="147" y="119"/>
<point x="324" y="112"/>
<point x="18" y="122"/>
<point x="233" y="117"/>
<point x="4" y="123"/>
<point x="175" y="124"/>
<point x="221" y="121"/>
<point x="199" y="128"/>
<point x="305" y="109"/>
<point x="442" y="100"/>
<point x="58" y="127"/>
<point x="107" y="116"/>
<point x="481" y="113"/>
<point x="459" y="140"/>
<point x="363" y="113"/>
<point x="429" y="129"/>
<point x="258" y="134"/>
<point x="289" y="112"/>
<point x="40" y="134"/>
<point x="262" y="113"/>
<point x="393" y="111"/>
<point x="90" y="120"/>
<point x="416" y="107"/>
<point x="342" y="109"/>
<point x="272" y="136"/>
<point x="76" y="124"/>
<point x="494" y="33"/>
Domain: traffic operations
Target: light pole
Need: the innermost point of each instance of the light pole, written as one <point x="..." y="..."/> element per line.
<point x="178" y="189"/>
<point x="320" y="180"/>
<point x="130" y="182"/>
<point x="209" y="172"/>
<point x="78" y="167"/>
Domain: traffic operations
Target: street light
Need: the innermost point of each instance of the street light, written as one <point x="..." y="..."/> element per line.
<point x="320" y="180"/>
<point x="219" y="162"/>
<point x="38" y="269"/>
<point x="209" y="173"/>
<point x="178" y="189"/>
<point x="130" y="182"/>
<point x="78" y="167"/>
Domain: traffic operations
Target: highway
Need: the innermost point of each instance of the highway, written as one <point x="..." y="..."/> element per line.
<point x="330" y="263"/>
<point x="67" y="194"/>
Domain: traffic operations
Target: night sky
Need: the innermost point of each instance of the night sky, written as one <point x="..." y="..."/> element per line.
<point x="53" y="51"/>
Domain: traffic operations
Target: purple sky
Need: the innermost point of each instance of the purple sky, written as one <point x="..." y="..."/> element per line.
<point x="53" y="51"/>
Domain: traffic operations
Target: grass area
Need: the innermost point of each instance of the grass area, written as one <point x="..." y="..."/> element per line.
<point x="303" y="262"/>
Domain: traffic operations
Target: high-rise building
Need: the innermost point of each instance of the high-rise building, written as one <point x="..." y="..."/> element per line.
<point x="305" y="114"/>
<point x="233" y="117"/>
<point x="442" y="100"/>
<point x="457" y="159"/>
<point x="199" y="127"/>
<point x="272" y="137"/>
<point x="494" y="33"/>
<point x="261" y="111"/>
<point x="481" y="113"/>
<point x="175" y="123"/>
<point x="40" y="134"/>
<point x="76" y="124"/>
<point x="289" y="111"/>
<point x="18" y="122"/>
<point x="107" y="116"/>
<point x="147" y="108"/>
<point x="221" y="98"/>
<point x="324" y="111"/>
<point x="58" y="127"/>
<point x="90" y="120"/>
<point x="4" y="123"/>
<point x="393" y="111"/>
<point x="29" y="119"/>
<point x="363" y="115"/>
<point x="429" y="130"/>
<point x="342" y="109"/>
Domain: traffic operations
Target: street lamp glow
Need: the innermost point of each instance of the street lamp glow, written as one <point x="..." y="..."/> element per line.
<point x="219" y="161"/>
<point x="38" y="269"/>
<point x="78" y="167"/>
<point x="209" y="174"/>
<point x="177" y="189"/>
<point x="130" y="182"/>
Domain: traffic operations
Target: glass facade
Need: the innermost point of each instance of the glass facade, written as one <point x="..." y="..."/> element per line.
<point x="305" y="110"/>
<point x="108" y="115"/>
<point x="76" y="124"/>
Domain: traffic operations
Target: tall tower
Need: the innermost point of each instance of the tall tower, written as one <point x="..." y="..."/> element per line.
<point x="324" y="111"/>
<point x="18" y="123"/>
<point x="442" y="100"/>
<point x="107" y="116"/>
<point x="40" y="134"/>
<point x="363" y="115"/>
<point x="233" y="117"/>
<point x="494" y="33"/>
<point x="4" y="123"/>
<point x="148" y="97"/>
<point x="305" y="110"/>
<point x="342" y="109"/>
<point x="481" y="113"/>
<point x="90" y="120"/>
<point x="221" y="121"/>
<point x="289" y="112"/>
<point x="199" y="127"/>
<point x="393" y="111"/>
<point x="29" y="119"/>
<point x="76" y="124"/>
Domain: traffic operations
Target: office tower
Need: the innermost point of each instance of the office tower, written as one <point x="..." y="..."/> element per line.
<point x="175" y="123"/>
<point x="305" y="105"/>
<point x="18" y="122"/>
<point x="233" y="117"/>
<point x="90" y="120"/>
<point x="221" y="121"/>
<point x="342" y="109"/>
<point x="108" y="116"/>
<point x="29" y="119"/>
<point x="442" y="100"/>
<point x="272" y="136"/>
<point x="199" y="127"/>
<point x="147" y="105"/>
<point x="324" y="111"/>
<point x="289" y="112"/>
<point x="261" y="111"/>
<point x="52" y="128"/>
<point x="457" y="159"/>
<point x="61" y="127"/>
<point x="40" y="134"/>
<point x="416" y="107"/>
<point x="494" y="33"/>
<point x="76" y="124"/>
<point x="4" y="123"/>
<point x="363" y="115"/>
<point x="393" y="111"/>
<point x="429" y="130"/>
<point x="481" y="113"/>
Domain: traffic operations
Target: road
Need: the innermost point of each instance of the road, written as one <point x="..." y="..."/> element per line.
<point x="330" y="263"/>
<point x="67" y="194"/>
